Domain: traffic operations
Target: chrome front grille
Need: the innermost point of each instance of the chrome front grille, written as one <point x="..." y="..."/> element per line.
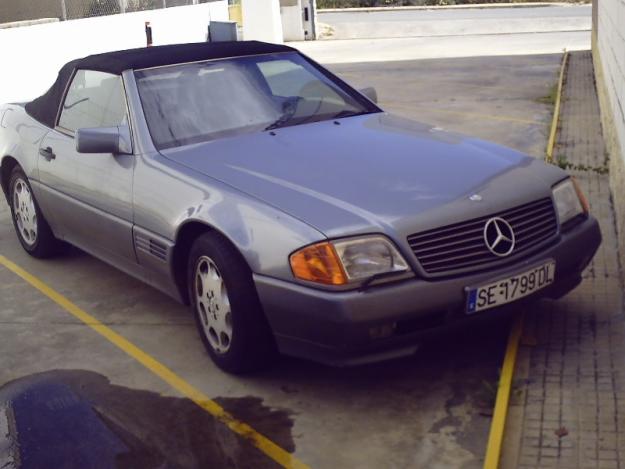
<point x="460" y="247"/>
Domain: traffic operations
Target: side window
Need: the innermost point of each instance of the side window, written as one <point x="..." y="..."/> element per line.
<point x="94" y="99"/>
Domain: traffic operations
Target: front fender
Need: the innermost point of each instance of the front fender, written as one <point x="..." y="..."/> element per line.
<point x="168" y="196"/>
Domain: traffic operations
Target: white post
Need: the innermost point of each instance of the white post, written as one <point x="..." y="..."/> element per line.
<point x="64" y="10"/>
<point x="122" y="6"/>
<point x="313" y="28"/>
<point x="262" y="20"/>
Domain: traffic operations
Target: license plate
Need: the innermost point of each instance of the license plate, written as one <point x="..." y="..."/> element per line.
<point x="510" y="289"/>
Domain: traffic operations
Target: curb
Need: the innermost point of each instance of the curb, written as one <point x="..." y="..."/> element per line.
<point x="556" y="111"/>
<point x="451" y="7"/>
<point x="19" y="24"/>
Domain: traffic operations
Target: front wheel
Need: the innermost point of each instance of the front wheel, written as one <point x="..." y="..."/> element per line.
<point x="226" y="307"/>
<point x="31" y="227"/>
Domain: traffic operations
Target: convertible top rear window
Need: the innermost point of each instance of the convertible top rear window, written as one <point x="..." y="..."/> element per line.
<point x="203" y="101"/>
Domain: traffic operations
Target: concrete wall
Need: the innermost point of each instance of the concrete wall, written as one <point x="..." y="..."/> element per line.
<point x="32" y="55"/>
<point x="609" y="58"/>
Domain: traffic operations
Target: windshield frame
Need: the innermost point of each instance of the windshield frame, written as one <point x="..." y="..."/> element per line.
<point x="368" y="106"/>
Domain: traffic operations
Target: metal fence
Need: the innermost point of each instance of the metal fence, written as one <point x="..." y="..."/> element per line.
<point x="12" y="10"/>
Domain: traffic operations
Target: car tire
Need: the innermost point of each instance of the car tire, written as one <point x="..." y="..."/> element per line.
<point x="227" y="311"/>
<point x="31" y="227"/>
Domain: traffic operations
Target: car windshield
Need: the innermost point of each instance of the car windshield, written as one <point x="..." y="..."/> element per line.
<point x="198" y="102"/>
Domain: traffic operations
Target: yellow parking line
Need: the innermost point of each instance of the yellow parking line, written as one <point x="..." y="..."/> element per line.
<point x="264" y="444"/>
<point x="497" y="426"/>
<point x="556" y="110"/>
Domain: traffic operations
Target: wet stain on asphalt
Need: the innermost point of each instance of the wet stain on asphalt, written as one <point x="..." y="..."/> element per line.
<point x="458" y="398"/>
<point x="463" y="421"/>
<point x="78" y="419"/>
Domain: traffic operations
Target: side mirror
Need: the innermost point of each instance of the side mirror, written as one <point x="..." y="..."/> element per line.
<point x="370" y="93"/>
<point x="114" y="140"/>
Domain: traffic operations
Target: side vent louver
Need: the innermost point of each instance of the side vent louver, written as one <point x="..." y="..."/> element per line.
<point x="151" y="246"/>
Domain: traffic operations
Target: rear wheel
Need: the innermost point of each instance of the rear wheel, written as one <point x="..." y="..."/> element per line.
<point x="31" y="227"/>
<point x="226" y="307"/>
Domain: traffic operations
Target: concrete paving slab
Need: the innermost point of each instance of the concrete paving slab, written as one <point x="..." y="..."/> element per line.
<point x="569" y="413"/>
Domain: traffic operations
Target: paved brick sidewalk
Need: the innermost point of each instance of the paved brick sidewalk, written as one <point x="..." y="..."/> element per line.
<point x="569" y="407"/>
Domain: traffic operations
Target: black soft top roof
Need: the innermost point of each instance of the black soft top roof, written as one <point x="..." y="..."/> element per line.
<point x="45" y="108"/>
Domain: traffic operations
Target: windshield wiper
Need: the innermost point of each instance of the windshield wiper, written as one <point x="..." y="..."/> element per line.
<point x="282" y="120"/>
<point x="285" y="118"/>
<point x="348" y="113"/>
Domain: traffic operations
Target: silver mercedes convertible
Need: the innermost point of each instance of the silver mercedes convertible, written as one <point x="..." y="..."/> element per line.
<point x="286" y="208"/>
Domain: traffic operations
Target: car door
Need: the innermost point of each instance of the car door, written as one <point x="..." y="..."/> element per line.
<point x="89" y="196"/>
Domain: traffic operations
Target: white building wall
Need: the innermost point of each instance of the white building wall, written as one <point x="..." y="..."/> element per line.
<point x="610" y="70"/>
<point x="261" y="20"/>
<point x="611" y="44"/>
<point x="32" y="55"/>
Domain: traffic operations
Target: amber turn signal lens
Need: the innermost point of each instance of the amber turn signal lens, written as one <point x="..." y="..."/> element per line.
<point x="318" y="263"/>
<point x="581" y="196"/>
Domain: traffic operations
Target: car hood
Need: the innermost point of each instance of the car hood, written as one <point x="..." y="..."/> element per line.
<point x="372" y="173"/>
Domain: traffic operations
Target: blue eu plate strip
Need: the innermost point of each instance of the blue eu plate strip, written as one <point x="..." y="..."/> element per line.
<point x="471" y="301"/>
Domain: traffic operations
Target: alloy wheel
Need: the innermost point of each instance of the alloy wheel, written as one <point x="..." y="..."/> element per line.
<point x="25" y="212"/>
<point x="213" y="305"/>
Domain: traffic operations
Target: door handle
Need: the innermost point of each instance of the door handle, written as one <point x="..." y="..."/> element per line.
<point x="47" y="153"/>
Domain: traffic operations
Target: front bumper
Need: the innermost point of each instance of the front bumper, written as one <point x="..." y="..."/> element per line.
<point x="340" y="327"/>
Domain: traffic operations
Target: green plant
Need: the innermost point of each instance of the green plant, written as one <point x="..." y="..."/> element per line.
<point x="563" y="163"/>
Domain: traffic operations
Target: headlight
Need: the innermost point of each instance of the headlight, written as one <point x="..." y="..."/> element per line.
<point x="347" y="260"/>
<point x="570" y="200"/>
